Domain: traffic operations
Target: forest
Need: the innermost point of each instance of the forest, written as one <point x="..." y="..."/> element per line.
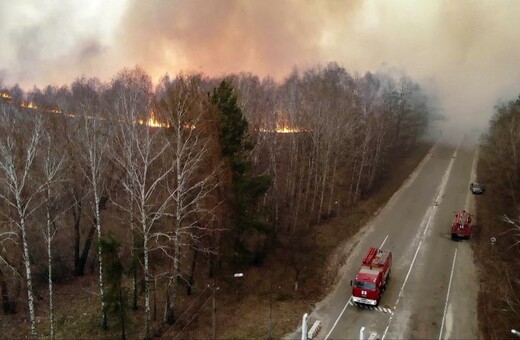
<point x="151" y="186"/>
<point x="499" y="218"/>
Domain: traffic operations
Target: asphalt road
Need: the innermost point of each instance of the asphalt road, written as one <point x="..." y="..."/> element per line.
<point x="433" y="290"/>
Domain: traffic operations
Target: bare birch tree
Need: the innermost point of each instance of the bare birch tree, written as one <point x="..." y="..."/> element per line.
<point x="130" y="97"/>
<point x="142" y="153"/>
<point x="184" y="105"/>
<point x="93" y="137"/>
<point x="19" y="144"/>
<point x="53" y="164"/>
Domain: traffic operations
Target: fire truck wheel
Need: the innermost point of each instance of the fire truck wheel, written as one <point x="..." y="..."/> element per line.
<point x="454" y="237"/>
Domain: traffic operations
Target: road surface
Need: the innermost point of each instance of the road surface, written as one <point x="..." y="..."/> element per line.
<point x="433" y="290"/>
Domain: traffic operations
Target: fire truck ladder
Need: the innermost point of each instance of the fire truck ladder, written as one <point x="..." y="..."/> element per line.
<point x="376" y="257"/>
<point x="372" y="252"/>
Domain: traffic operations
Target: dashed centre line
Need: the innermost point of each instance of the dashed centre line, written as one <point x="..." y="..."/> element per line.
<point x="448" y="294"/>
<point x="431" y="212"/>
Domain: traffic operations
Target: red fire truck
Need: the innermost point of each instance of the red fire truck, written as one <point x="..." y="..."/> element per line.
<point x="372" y="278"/>
<point x="461" y="226"/>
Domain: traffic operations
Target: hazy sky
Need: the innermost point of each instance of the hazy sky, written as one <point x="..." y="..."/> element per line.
<point x="469" y="51"/>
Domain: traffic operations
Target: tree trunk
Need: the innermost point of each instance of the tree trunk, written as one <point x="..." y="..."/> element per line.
<point x="316" y="180"/>
<point x="332" y="186"/>
<point x="154" y="298"/>
<point x="146" y="286"/>
<point x="324" y="175"/>
<point x="135" y="255"/>
<point x="122" y="314"/>
<point x="357" y="193"/>
<point x="86" y="249"/>
<point x="172" y="283"/>
<point x="8" y="306"/>
<point x="49" y="264"/>
<point x="100" y="260"/>
<point x="51" y="302"/>
<point x="28" y="277"/>
<point x="76" y="212"/>
<point x="308" y="185"/>
<point x="192" y="272"/>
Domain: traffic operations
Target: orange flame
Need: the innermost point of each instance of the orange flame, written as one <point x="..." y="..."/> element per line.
<point x="283" y="129"/>
<point x="152" y="122"/>
<point x="29" y="105"/>
<point x="286" y="129"/>
<point x="6" y="95"/>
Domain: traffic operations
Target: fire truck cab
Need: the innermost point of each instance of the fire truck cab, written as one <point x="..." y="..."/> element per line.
<point x="372" y="278"/>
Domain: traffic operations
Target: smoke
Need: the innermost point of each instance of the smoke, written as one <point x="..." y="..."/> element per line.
<point x="466" y="51"/>
<point x="52" y="42"/>
<point x="264" y="37"/>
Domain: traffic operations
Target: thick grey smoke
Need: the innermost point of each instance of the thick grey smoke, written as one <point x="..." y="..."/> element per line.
<point x="266" y="37"/>
<point x="49" y="41"/>
<point x="467" y="50"/>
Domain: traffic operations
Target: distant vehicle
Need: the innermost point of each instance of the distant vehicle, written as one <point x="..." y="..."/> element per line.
<point x="373" y="276"/>
<point x="476" y="188"/>
<point x="461" y="226"/>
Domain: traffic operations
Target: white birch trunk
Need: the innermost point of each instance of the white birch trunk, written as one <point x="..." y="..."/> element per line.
<point x="357" y="193"/>
<point x="324" y="175"/>
<point x="49" y="264"/>
<point x="147" y="308"/>
<point x="332" y="186"/>
<point x="100" y="258"/>
<point x="27" y="263"/>
<point x="51" y="301"/>
<point x="16" y="164"/>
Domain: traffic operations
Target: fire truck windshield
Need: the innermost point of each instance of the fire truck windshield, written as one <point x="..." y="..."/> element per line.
<point x="365" y="285"/>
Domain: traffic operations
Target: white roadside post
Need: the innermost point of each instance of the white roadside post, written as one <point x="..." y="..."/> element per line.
<point x="362" y="333"/>
<point x="304" y="326"/>
<point x="238" y="276"/>
<point x="515" y="332"/>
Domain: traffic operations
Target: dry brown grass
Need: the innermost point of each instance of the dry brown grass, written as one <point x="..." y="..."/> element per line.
<point x="496" y="318"/>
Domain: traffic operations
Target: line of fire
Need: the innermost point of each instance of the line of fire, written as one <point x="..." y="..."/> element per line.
<point x="152" y="121"/>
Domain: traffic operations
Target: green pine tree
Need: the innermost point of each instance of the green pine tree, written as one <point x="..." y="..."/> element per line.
<point x="247" y="189"/>
<point x="115" y="297"/>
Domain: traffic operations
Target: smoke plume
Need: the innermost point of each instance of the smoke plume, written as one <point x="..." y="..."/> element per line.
<point x="466" y="50"/>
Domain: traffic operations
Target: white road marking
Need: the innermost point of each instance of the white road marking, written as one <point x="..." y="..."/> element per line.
<point x="382" y="244"/>
<point x="402" y="287"/>
<point x="374" y="308"/>
<point x="408" y="274"/>
<point x="431" y="212"/>
<point x="448" y="294"/>
<point x="339" y="317"/>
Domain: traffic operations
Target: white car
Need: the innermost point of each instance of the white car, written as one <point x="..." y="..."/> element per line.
<point x="476" y="188"/>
